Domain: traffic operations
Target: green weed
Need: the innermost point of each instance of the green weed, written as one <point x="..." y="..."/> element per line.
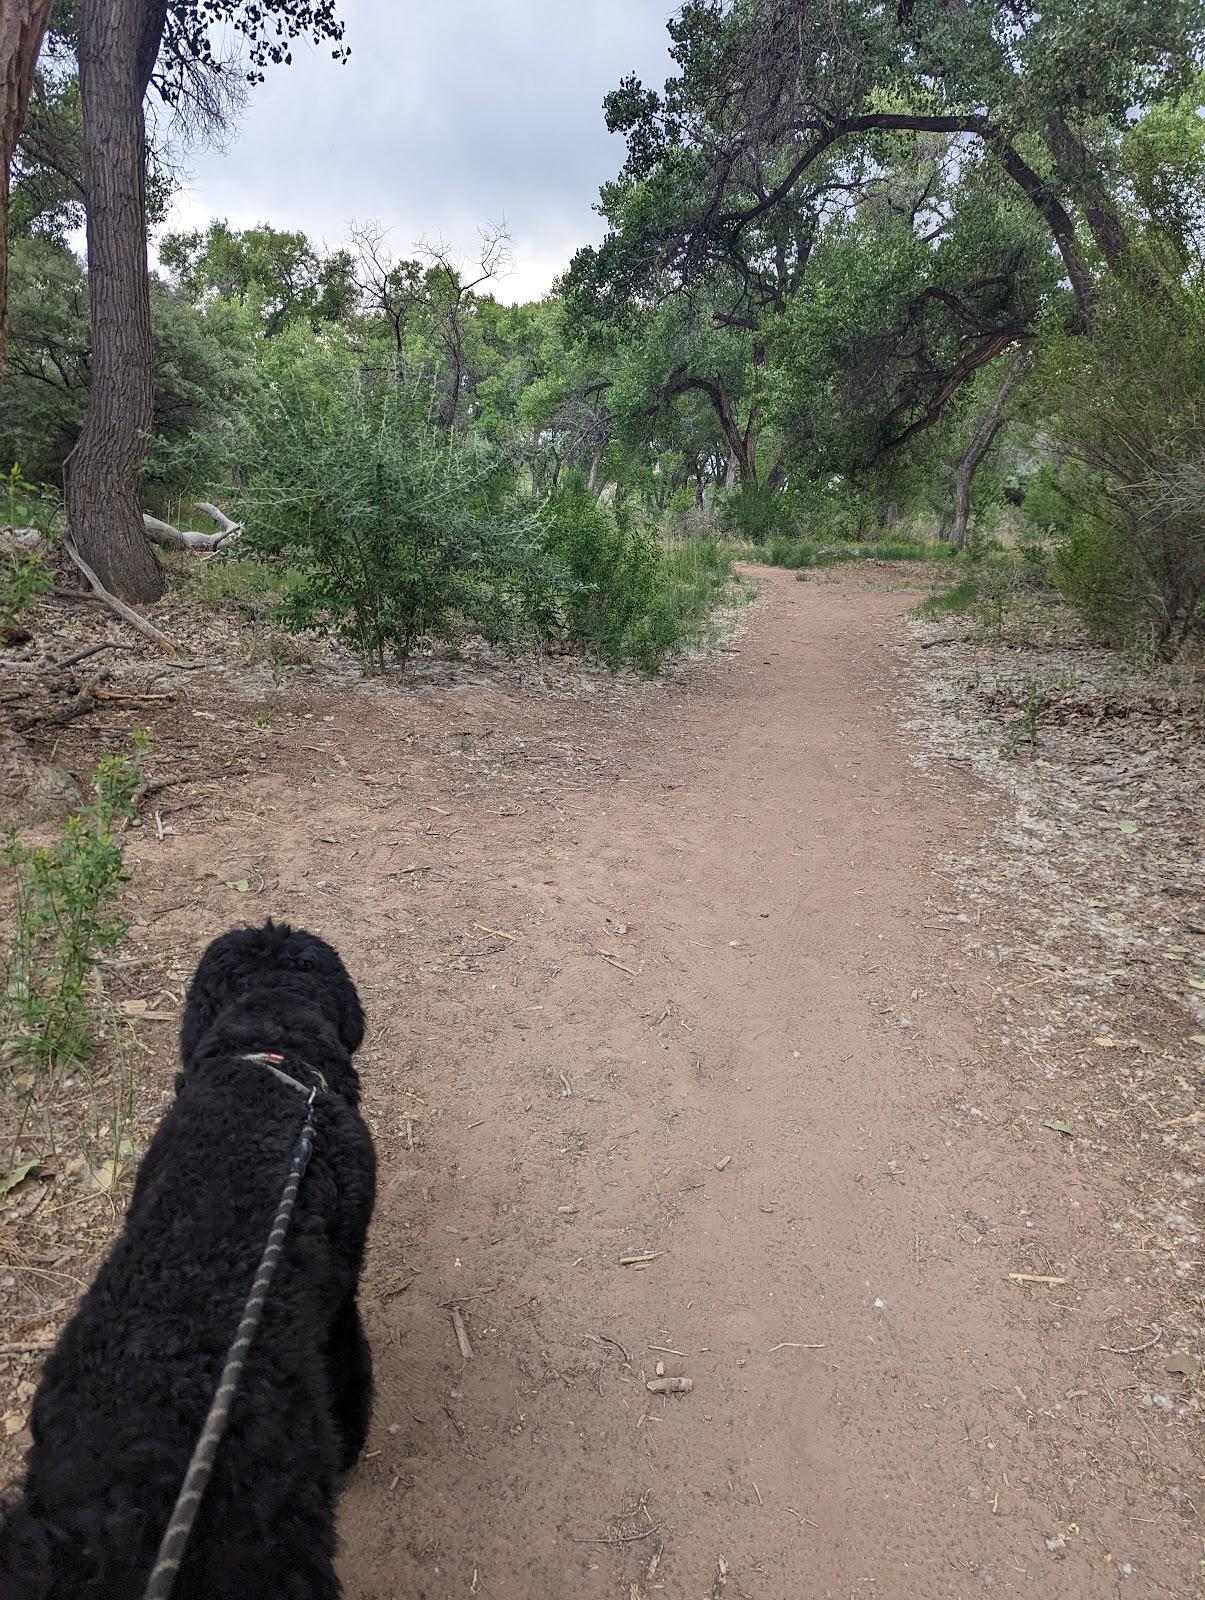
<point x="63" y="920"/>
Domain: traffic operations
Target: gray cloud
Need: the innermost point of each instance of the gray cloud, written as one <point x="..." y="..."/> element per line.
<point x="447" y="117"/>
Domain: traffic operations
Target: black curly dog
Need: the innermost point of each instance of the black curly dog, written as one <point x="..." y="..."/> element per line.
<point x="126" y="1390"/>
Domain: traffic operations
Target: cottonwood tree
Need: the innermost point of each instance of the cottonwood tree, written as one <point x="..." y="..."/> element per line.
<point x="125" y="46"/>
<point x="430" y="304"/>
<point x="987" y="426"/>
<point x="775" y="100"/>
<point x="22" y="27"/>
<point x="276" y="271"/>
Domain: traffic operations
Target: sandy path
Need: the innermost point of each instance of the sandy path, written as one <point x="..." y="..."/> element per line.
<point x="774" y="1000"/>
<point x="671" y="968"/>
<point x="674" y="968"/>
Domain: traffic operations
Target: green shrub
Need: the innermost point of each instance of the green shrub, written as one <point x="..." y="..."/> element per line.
<point x="23" y="574"/>
<point x="397" y="534"/>
<point x="1044" y="506"/>
<point x="756" y="514"/>
<point x="990" y="582"/>
<point x="955" y="601"/>
<point x="1127" y="507"/>
<point x="390" y="532"/>
<point x="698" y="577"/>
<point x="22" y="579"/>
<point x="616" y="601"/>
<point x="63" y="919"/>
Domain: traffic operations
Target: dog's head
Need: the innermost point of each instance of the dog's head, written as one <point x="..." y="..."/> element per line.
<point x="288" y="972"/>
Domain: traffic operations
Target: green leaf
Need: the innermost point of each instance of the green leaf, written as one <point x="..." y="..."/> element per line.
<point x="1127" y="825"/>
<point x="10" y="1180"/>
<point x="1060" y="1127"/>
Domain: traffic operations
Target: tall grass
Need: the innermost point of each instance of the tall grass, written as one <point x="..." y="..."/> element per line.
<point x="699" y="574"/>
<point x="797" y="554"/>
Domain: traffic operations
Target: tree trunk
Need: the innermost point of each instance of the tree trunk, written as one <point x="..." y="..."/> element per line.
<point x="596" y="460"/>
<point x="1050" y="208"/>
<point x="22" y="25"/>
<point x="118" y="42"/>
<point x="742" y="442"/>
<point x="1082" y="174"/>
<point x="981" y="442"/>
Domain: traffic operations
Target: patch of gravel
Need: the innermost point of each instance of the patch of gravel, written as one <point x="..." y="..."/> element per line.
<point x="1085" y="901"/>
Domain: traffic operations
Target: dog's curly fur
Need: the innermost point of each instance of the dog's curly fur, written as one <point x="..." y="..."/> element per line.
<point x="126" y="1390"/>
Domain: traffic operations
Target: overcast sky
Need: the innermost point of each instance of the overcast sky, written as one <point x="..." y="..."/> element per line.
<point x="447" y="116"/>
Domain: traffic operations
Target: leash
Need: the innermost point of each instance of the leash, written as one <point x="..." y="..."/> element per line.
<point x="188" y="1503"/>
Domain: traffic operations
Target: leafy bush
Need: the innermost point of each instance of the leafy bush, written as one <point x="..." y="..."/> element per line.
<point x="397" y="534"/>
<point x="756" y="515"/>
<point x="63" y="920"/>
<point x="22" y="579"/>
<point x="23" y="574"/>
<point x="1128" y="502"/>
<point x="956" y="601"/>
<point x="990" y="582"/>
<point x="700" y="571"/>
<point x="616" y="601"/>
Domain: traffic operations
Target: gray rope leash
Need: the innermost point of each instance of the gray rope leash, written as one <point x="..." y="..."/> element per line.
<point x="184" y="1514"/>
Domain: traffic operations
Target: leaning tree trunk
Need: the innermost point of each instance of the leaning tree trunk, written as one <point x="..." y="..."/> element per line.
<point x="981" y="442"/>
<point x="104" y="473"/>
<point x="22" y="25"/>
<point x="593" y="482"/>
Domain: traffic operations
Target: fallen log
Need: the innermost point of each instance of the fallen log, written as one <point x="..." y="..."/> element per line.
<point x="172" y="538"/>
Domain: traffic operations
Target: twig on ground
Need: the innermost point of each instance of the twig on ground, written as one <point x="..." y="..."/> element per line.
<point x="607" y="956"/>
<point x="473" y="1294"/>
<point x="670" y="1385"/>
<point x="621" y="1538"/>
<point x="117" y="694"/>
<point x="603" y="1338"/>
<point x="1032" y="1277"/>
<point x="639" y="1258"/>
<point x="125" y="612"/>
<point x="790" y="1344"/>
<point x="92" y="650"/>
<point x="80" y="705"/>
<point x="462" y="1337"/>
<point x="802" y="1518"/>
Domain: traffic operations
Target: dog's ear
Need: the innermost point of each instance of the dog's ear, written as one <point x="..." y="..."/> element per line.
<point x="351" y="1017"/>
<point x="211" y="989"/>
<point x="324" y="961"/>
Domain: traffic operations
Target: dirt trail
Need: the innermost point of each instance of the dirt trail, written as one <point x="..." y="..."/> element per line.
<point x="716" y="1031"/>
<point x="668" y="969"/>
